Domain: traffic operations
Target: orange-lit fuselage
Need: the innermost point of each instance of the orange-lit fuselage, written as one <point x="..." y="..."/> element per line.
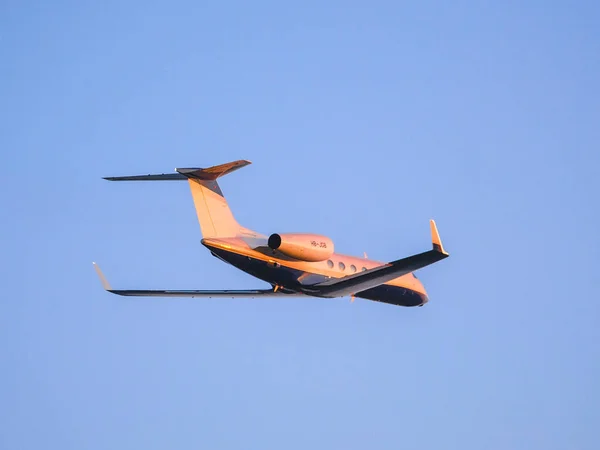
<point x="293" y="276"/>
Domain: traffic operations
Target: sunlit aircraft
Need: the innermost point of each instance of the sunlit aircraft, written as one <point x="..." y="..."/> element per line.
<point x="294" y="264"/>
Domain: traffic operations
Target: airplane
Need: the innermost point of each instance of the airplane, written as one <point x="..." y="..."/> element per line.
<point x="294" y="264"/>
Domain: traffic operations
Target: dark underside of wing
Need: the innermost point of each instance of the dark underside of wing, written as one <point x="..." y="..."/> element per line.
<point x="203" y="293"/>
<point x="191" y="293"/>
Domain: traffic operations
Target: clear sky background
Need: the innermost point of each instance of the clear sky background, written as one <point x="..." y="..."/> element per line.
<point x="363" y="121"/>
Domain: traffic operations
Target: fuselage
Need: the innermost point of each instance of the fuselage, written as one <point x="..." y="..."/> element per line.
<point x="295" y="276"/>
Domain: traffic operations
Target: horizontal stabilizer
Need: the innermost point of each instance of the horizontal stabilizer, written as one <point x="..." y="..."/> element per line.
<point x="231" y="293"/>
<point x="207" y="174"/>
<point x="157" y="177"/>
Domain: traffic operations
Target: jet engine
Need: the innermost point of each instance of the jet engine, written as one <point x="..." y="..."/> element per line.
<point x="302" y="246"/>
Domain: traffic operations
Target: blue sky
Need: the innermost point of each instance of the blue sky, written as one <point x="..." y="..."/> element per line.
<point x="362" y="121"/>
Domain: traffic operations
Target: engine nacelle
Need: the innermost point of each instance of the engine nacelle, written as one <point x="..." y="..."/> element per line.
<point x="302" y="246"/>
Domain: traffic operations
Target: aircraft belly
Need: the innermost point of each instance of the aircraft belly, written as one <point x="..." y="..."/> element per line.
<point x="264" y="270"/>
<point x="395" y="295"/>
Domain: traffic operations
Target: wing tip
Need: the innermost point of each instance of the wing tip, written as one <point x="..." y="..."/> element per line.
<point x="435" y="238"/>
<point x="103" y="280"/>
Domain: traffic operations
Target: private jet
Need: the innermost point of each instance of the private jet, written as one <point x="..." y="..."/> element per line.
<point x="294" y="264"/>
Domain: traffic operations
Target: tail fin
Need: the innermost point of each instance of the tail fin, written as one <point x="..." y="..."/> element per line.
<point x="214" y="215"/>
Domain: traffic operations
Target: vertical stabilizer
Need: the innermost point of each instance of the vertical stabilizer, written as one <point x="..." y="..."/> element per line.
<point x="214" y="215"/>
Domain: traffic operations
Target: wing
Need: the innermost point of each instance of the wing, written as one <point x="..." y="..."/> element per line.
<point x="190" y="293"/>
<point x="340" y="287"/>
<point x="209" y="294"/>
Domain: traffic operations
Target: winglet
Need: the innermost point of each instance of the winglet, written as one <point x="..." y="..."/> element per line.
<point x="103" y="280"/>
<point x="435" y="238"/>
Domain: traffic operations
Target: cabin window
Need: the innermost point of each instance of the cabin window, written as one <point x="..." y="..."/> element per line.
<point x="342" y="266"/>
<point x="353" y="268"/>
<point x="330" y="264"/>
